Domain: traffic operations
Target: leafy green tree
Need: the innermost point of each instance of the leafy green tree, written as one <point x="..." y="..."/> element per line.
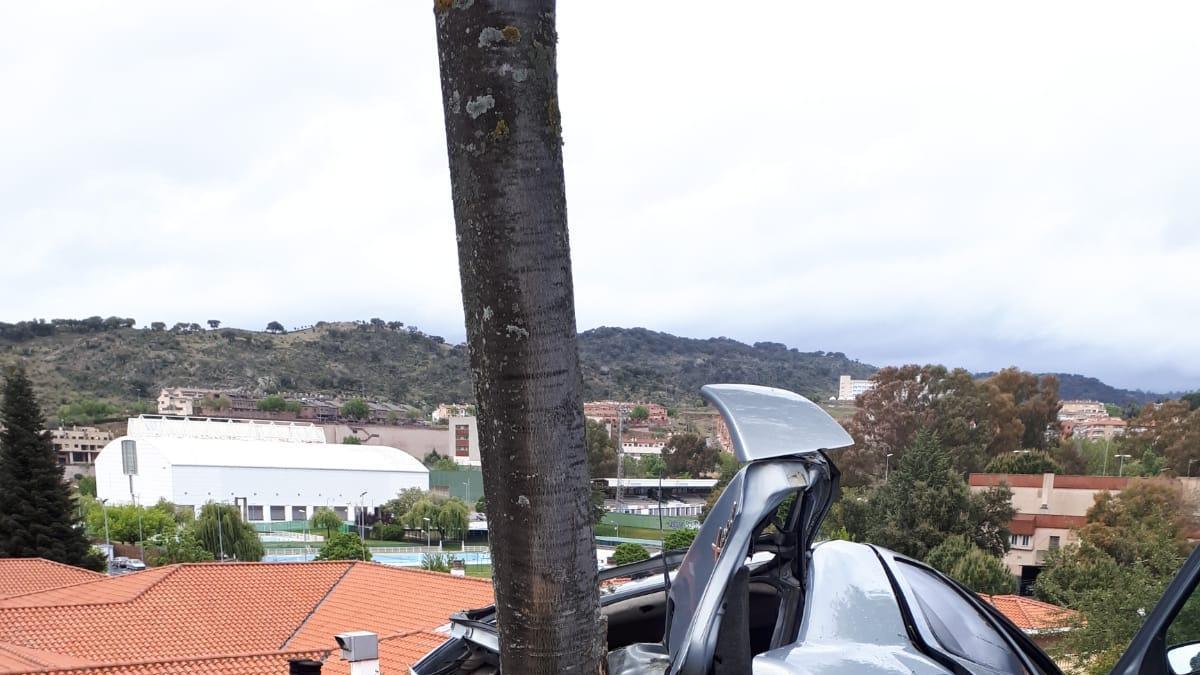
<point x="596" y="503"/>
<point x="404" y="501"/>
<point x="481" y="505"/>
<point x="629" y="552"/>
<point x="1192" y="399"/>
<point x="679" y="539"/>
<point x="158" y="326"/>
<point x="453" y="516"/>
<point x="356" y="409"/>
<point x="926" y="500"/>
<point x="86" y="486"/>
<point x="344" y="546"/>
<point x="849" y="517"/>
<point x="214" y="324"/>
<point x="446" y="464"/>
<point x="690" y="454"/>
<point x="640" y="413"/>
<point x="273" y="403"/>
<point x="325" y="519"/>
<point x="123" y="522"/>
<point x="182" y="547"/>
<point x="275" y="327"/>
<point x="220" y="528"/>
<point x="87" y="411"/>
<point x="1023" y="462"/>
<point x="1131" y="547"/>
<point x="601" y="450"/>
<point x="420" y="512"/>
<point x="959" y="558"/>
<point x="37" y="509"/>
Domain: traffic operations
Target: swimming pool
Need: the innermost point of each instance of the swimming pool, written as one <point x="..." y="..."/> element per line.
<point x="394" y="559"/>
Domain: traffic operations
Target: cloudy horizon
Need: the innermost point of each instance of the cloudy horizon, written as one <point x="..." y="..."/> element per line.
<point x="933" y="182"/>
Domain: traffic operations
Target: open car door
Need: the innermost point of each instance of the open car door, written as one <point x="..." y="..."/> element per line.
<point x="1169" y="641"/>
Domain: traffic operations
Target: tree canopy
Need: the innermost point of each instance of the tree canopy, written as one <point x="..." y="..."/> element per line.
<point x="601" y="450"/>
<point x="975" y="419"/>
<point x="344" y="546"/>
<point x="356" y="409"/>
<point x="1028" y="461"/>
<point x="959" y="558"/>
<point x="689" y="454"/>
<point x="325" y="519"/>
<point x="37" y="507"/>
<point x="220" y="528"/>
<point x="629" y="552"/>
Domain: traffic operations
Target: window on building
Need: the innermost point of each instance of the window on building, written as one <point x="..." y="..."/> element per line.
<point x="342" y="512"/>
<point x="1054" y="542"/>
<point x="278" y="513"/>
<point x="254" y="513"/>
<point x="298" y="513"/>
<point x="79" y="458"/>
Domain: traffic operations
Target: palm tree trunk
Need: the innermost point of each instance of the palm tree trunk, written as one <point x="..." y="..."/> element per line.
<point x="503" y="137"/>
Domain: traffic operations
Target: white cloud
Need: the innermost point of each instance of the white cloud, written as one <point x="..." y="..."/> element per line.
<point x="974" y="185"/>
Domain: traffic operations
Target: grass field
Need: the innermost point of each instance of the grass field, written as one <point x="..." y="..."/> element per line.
<point x="631" y="532"/>
<point x="482" y="571"/>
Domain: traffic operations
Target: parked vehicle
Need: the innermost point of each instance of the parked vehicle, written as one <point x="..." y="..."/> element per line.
<point x="123" y="565"/>
<point x="755" y="594"/>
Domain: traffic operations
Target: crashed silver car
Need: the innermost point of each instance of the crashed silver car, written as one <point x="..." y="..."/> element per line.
<point x="755" y="594"/>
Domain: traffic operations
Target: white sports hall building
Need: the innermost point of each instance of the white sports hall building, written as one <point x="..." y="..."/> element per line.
<point x="272" y="471"/>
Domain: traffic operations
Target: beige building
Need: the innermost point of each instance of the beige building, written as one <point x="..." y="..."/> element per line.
<point x="464" y="440"/>
<point x="1081" y="410"/>
<point x="77" y="448"/>
<point x="447" y="410"/>
<point x="850" y="389"/>
<point x="607" y="412"/>
<point x="1049" y="508"/>
<point x="181" y="400"/>
<point x="1099" y="428"/>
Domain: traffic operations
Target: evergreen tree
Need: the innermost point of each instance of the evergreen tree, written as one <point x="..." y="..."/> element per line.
<point x="37" y="510"/>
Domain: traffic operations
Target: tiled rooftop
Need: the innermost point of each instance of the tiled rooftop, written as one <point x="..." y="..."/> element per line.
<point x="197" y="612"/>
<point x="1032" y="616"/>
<point x="19" y="576"/>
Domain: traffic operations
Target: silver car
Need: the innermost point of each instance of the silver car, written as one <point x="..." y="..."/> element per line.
<point x="755" y="594"/>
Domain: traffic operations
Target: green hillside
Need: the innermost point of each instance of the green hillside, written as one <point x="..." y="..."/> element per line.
<point x="81" y="361"/>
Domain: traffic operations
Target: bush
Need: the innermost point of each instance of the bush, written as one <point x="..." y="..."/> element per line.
<point x="435" y="562"/>
<point x="679" y="539"/>
<point x="388" y="531"/>
<point x="344" y="546"/>
<point x="628" y="553"/>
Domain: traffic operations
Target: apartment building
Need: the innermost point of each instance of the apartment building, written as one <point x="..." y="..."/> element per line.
<point x="1049" y="509"/>
<point x="1081" y="410"/>
<point x="447" y="410"/>
<point x="464" y="440"/>
<point x="850" y="389"/>
<point x="1102" y="428"/>
<point x="607" y="412"/>
<point x="77" y="448"/>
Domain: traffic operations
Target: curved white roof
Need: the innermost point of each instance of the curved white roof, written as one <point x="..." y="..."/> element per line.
<point x="275" y="454"/>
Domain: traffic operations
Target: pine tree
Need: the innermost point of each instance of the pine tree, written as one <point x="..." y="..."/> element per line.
<point x="36" y="506"/>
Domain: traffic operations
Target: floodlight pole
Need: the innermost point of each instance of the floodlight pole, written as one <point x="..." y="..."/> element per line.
<point x="104" y="508"/>
<point x="362" y="518"/>
<point x="141" y="537"/>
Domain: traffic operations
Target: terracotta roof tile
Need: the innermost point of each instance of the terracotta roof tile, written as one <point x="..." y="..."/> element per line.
<point x="19" y="576"/>
<point x="372" y="597"/>
<point x="396" y="652"/>
<point x="183" y="615"/>
<point x="266" y="663"/>
<point x="1032" y="616"/>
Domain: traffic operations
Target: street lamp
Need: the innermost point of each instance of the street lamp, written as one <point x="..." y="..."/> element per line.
<point x="362" y="518"/>
<point x="107" y="543"/>
<point x="1121" y="470"/>
<point x="427" y="521"/>
<point x="887" y="465"/>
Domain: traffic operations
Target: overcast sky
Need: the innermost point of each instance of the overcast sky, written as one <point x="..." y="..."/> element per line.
<point x="903" y="182"/>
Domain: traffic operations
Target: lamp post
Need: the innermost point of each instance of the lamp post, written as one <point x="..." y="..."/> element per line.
<point x="427" y="544"/>
<point x="1121" y="470"/>
<point x="887" y="465"/>
<point x="362" y="519"/>
<point x="141" y="537"/>
<point x="107" y="543"/>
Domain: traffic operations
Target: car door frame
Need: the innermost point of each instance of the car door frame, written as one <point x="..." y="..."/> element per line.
<point x="1147" y="652"/>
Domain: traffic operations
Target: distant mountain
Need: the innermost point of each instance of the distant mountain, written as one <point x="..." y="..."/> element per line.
<point x="108" y="360"/>
<point x="1073" y="387"/>
<point x="629" y="363"/>
<point x="1082" y="387"/>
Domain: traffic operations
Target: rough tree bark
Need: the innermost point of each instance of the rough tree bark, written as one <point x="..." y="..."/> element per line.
<point x="504" y="140"/>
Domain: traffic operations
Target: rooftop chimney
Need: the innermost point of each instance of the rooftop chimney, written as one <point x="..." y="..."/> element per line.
<point x="304" y="667"/>
<point x="361" y="649"/>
